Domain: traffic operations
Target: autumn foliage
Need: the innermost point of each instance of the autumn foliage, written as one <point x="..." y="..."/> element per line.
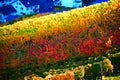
<point x="87" y="31"/>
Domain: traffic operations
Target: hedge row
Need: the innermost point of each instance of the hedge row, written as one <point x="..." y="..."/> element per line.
<point x="76" y="73"/>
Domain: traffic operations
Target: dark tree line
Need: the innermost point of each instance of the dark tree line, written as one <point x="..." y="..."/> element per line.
<point x="87" y="2"/>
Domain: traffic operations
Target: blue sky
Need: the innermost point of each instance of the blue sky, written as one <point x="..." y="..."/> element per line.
<point x="44" y="4"/>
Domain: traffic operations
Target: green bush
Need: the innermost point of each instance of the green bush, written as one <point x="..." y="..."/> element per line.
<point x="79" y="72"/>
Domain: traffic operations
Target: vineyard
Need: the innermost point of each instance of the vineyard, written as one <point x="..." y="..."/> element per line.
<point x="76" y="44"/>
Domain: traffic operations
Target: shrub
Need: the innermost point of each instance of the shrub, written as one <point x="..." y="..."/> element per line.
<point x="79" y="72"/>
<point x="107" y="66"/>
